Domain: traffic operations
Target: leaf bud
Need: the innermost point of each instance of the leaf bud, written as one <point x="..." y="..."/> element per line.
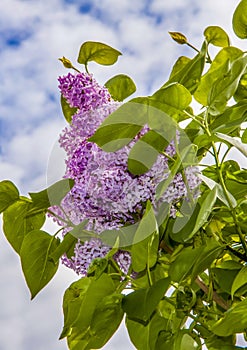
<point x="178" y="37"/>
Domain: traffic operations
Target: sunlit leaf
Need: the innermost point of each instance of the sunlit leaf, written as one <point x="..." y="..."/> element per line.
<point x="98" y="52"/>
<point x="52" y="195"/>
<point x="9" y="194"/>
<point x="120" y="87"/>
<point x="233" y="321"/>
<point x="141" y="303"/>
<point x="239" y="20"/>
<point x="38" y="269"/>
<point x="244" y="136"/>
<point x="179" y="64"/>
<point x="240" y="280"/>
<point x="17" y="222"/>
<point x="216" y="36"/>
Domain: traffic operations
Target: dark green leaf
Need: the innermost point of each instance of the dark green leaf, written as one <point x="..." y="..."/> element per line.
<point x="239" y="20"/>
<point x="233" y="321"/>
<point x="17" y="223"/>
<point x="52" y="195"/>
<point x="144" y="337"/>
<point x="68" y="111"/>
<point x="67" y="243"/>
<point x="145" y="244"/>
<point x="38" y="269"/>
<point x="98" y="52"/>
<point x="9" y="194"/>
<point x="216" y="36"/>
<point x="141" y="304"/>
<point x="181" y="268"/>
<point x="224" y="87"/>
<point x="120" y="87"/>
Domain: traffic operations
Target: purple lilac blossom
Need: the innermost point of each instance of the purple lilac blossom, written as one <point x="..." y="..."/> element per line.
<point x="105" y="192"/>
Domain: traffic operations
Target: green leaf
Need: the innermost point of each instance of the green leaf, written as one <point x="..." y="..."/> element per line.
<point x="79" y="304"/>
<point x="181" y="268"/>
<point x="190" y="74"/>
<point x="217" y="70"/>
<point x="179" y="64"/>
<point x="146" y="239"/>
<point x="106" y="319"/>
<point x="184" y="341"/>
<point x="174" y="95"/>
<point x="17" y="223"/>
<point x="205" y="211"/>
<point x="216" y="36"/>
<point x="241" y="92"/>
<point x="9" y="194"/>
<point x="240" y="280"/>
<point x="231" y="119"/>
<point x="52" y="195"/>
<point x="210" y="252"/>
<point x="233" y="321"/>
<point x="121" y="126"/>
<point x="224" y="87"/>
<point x="120" y="87"/>
<point x="234" y="142"/>
<point x="141" y="303"/>
<point x="38" y="269"/>
<point x="98" y="52"/>
<point x="67" y="243"/>
<point x="144" y="337"/>
<point x="239" y="20"/>
<point x="68" y="111"/>
<point x="244" y="136"/>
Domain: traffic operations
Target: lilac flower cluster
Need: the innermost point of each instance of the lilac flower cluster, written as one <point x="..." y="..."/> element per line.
<point x="105" y="192"/>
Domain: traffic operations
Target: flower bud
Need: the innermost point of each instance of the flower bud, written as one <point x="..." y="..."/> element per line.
<point x="178" y="37"/>
<point x="66" y="62"/>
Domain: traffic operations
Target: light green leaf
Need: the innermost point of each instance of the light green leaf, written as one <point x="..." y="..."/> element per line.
<point x="224" y="87"/>
<point x="144" y="337"/>
<point x="239" y="20"/>
<point x="68" y="111"/>
<point x="121" y="126"/>
<point x="79" y="304"/>
<point x="98" y="52"/>
<point x="184" y="341"/>
<point x="179" y="64"/>
<point x="9" y="194"/>
<point x="234" y="142"/>
<point x="120" y="87"/>
<point x="38" y="269"/>
<point x="216" y="36"/>
<point x="205" y="211"/>
<point x="52" y="195"/>
<point x="217" y="70"/>
<point x="67" y="243"/>
<point x="17" y="222"/>
<point x="141" y="303"/>
<point x="233" y="321"/>
<point x="241" y="92"/>
<point x="174" y="95"/>
<point x="240" y="280"/>
<point x="190" y="74"/>
<point x="244" y="136"/>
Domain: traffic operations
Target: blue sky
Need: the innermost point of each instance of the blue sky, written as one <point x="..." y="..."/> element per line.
<point x="33" y="35"/>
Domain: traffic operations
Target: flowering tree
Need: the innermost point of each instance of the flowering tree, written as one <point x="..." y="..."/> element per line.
<point x="152" y="233"/>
